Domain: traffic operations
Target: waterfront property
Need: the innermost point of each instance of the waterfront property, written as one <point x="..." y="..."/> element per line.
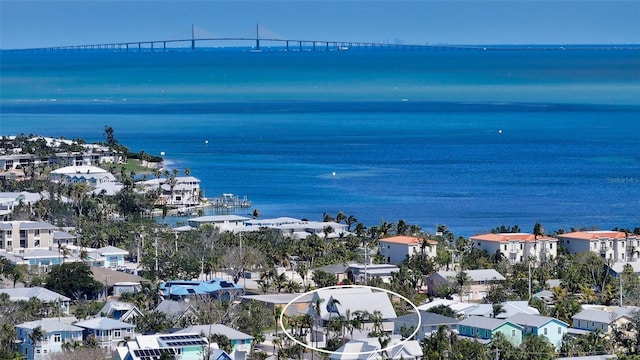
<point x="517" y="247"/>
<point x="90" y="175"/>
<point x="551" y="328"/>
<point x="38" y="339"/>
<point x="478" y="282"/>
<point x="175" y="192"/>
<point x="483" y="329"/>
<point x="107" y="332"/>
<point x="616" y="246"/>
<point x="396" y="249"/>
<point x="222" y="222"/>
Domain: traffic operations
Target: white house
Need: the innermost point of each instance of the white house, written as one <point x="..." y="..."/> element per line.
<point x="396" y="249"/>
<point x="606" y="319"/>
<point x="175" y="192"/>
<point x="38" y="339"/>
<point x="91" y="175"/>
<point x="371" y="349"/>
<point x="611" y="245"/>
<point x="518" y="247"/>
<point x="52" y="299"/>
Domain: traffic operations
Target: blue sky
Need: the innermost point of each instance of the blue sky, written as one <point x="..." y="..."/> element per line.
<point x="26" y="23"/>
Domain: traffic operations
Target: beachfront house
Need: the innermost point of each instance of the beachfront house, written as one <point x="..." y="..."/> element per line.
<point x="551" y="328"/>
<point x="175" y="192"/>
<point x="396" y="249"/>
<point x="518" y="247"/>
<point x="39" y="339"/>
<point x="221" y="222"/>
<point x="617" y="246"/>
<point x="483" y="329"/>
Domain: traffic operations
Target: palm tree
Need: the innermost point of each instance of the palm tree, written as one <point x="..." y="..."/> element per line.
<point x="37" y="335"/>
<point x="316" y="316"/>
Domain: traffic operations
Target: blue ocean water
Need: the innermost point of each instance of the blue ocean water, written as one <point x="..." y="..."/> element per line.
<point x="471" y="139"/>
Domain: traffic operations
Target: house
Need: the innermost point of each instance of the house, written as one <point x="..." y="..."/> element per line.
<point x="297" y="304"/>
<point x="457" y="306"/>
<point x="150" y="347"/>
<point x="517" y="247"/>
<point x="218" y="221"/>
<point x="52" y="299"/>
<point x="397" y="249"/>
<point x="478" y="282"/>
<point x="107" y="257"/>
<point x="370" y="349"/>
<point x="303" y="229"/>
<point x="428" y="324"/>
<point x="179" y="311"/>
<point x="9" y="200"/>
<point x="551" y="328"/>
<point x="216" y="288"/>
<point x="483" y="328"/>
<point x="86" y="174"/>
<point x="337" y="301"/>
<point x="362" y="274"/>
<point x="617" y="246"/>
<point x="179" y="191"/>
<point x="241" y="342"/>
<point x="507" y="309"/>
<point x="606" y="319"/>
<point x="120" y="310"/>
<point x="25" y="234"/>
<point x="107" y="332"/>
<point x="616" y="269"/>
<point x="38" y="339"/>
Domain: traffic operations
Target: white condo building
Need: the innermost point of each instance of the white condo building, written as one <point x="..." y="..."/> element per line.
<point x="518" y="247"/>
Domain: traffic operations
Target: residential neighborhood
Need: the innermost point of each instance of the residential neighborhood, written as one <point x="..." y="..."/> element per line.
<point x="89" y="262"/>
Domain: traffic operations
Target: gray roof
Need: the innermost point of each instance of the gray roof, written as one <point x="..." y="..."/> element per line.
<point x="172" y="307"/>
<point x="103" y="323"/>
<point x="428" y="319"/>
<point x="334" y="268"/>
<point x="280" y="298"/>
<point x="42" y="294"/>
<point x="231" y="333"/>
<point x="27" y="225"/>
<point x="62" y="235"/>
<point x="601" y="316"/>
<point x="532" y="320"/>
<point x="49" y="325"/>
<point x="474" y="275"/>
<point x="483" y="322"/>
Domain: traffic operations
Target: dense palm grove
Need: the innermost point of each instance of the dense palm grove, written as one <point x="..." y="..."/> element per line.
<point x="122" y="221"/>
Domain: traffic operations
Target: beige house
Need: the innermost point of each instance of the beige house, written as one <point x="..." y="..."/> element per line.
<point x="518" y="247"/>
<point x="616" y="246"/>
<point x="398" y="248"/>
<point x="25" y="234"/>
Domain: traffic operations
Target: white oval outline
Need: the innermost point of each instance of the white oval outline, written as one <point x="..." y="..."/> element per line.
<point x="286" y="332"/>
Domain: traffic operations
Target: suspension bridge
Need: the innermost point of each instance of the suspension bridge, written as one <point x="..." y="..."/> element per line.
<point x="256" y="43"/>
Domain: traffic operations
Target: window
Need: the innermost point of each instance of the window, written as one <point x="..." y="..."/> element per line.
<point x="117" y="333"/>
<point x="505" y="247"/>
<point x="521" y="246"/>
<point x="545" y="331"/>
<point x="550" y="246"/>
<point x="513" y="333"/>
<point x="57" y="338"/>
<point x="559" y="330"/>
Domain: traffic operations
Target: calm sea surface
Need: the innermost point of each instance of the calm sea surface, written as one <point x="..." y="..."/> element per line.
<point x="471" y="139"/>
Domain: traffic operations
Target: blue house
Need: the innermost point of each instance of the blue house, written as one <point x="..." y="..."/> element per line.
<point x="216" y="288"/>
<point x="483" y="329"/>
<point x="55" y="332"/>
<point x="551" y="328"/>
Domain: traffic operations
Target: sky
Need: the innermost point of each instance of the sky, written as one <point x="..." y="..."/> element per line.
<point x="45" y="23"/>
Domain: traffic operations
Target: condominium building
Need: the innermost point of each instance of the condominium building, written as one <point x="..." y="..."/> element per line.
<point x="616" y="246"/>
<point x="518" y="247"/>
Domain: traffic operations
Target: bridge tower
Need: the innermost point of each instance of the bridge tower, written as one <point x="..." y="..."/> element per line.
<point x="257" y="37"/>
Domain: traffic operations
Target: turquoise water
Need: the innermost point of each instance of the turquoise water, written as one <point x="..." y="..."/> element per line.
<point x="471" y="139"/>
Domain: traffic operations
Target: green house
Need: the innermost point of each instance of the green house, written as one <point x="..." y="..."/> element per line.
<point x="484" y="328"/>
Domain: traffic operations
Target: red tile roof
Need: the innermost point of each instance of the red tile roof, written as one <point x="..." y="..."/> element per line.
<point x="504" y="237"/>
<point x="593" y="235"/>
<point x="407" y="240"/>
